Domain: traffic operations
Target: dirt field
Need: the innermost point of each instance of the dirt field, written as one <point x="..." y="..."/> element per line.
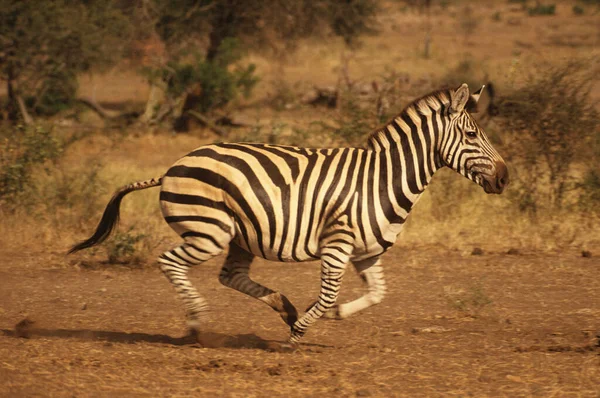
<point x="452" y="324"/>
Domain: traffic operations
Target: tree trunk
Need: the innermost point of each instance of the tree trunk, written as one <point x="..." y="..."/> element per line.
<point x="27" y="119"/>
<point x="156" y="99"/>
<point x="12" y="108"/>
<point x="214" y="44"/>
<point x="427" y="49"/>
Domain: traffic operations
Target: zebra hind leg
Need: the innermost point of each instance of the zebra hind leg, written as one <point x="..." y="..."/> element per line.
<point x="235" y="274"/>
<point x="175" y="264"/>
<point x="371" y="273"/>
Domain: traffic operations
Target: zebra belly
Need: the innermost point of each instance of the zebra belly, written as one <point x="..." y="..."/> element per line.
<point x="207" y="218"/>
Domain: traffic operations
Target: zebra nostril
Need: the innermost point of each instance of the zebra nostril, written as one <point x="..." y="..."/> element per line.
<point x="501" y="176"/>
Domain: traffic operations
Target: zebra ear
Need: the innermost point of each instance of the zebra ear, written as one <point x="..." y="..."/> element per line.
<point x="459" y="98"/>
<point x="473" y="103"/>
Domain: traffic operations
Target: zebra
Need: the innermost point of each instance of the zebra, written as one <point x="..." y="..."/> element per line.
<point x="292" y="204"/>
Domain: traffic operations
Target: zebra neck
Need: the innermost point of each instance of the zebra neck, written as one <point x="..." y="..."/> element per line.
<point x="405" y="159"/>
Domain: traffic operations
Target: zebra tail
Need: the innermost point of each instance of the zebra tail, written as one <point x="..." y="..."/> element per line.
<point x="110" y="218"/>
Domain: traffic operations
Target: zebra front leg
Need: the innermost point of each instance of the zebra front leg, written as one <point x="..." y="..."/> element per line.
<point x="371" y="272"/>
<point x="333" y="266"/>
<point x="175" y="265"/>
<point x="235" y="274"/>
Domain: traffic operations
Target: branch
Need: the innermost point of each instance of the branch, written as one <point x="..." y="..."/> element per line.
<point x="93" y="105"/>
<point x="196" y="9"/>
<point x="208" y="123"/>
<point x="127" y="117"/>
<point x="27" y="119"/>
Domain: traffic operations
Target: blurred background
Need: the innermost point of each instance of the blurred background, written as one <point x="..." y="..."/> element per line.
<point x="96" y="94"/>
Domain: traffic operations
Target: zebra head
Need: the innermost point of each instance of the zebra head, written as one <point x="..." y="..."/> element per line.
<point x="467" y="149"/>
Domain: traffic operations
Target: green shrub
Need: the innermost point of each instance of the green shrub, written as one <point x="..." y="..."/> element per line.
<point x="590" y="187"/>
<point x="354" y="119"/>
<point x="74" y="189"/>
<point x="578" y="10"/>
<point x="122" y="248"/>
<point x="542" y="9"/>
<point x="212" y="83"/>
<point x="23" y="152"/>
<point x="551" y="124"/>
<point x="283" y="95"/>
<point x="466" y="71"/>
<point x="468" y="21"/>
<point x="57" y="93"/>
<point x="470" y="301"/>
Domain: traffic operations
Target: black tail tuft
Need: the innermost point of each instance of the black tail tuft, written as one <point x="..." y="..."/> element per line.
<point x="107" y="224"/>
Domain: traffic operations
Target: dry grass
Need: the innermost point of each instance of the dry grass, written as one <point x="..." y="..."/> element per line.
<point x="453" y="212"/>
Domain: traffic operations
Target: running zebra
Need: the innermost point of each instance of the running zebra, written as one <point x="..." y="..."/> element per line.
<point x="337" y="205"/>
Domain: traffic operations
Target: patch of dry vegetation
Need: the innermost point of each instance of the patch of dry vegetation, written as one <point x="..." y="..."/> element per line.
<point x="64" y="196"/>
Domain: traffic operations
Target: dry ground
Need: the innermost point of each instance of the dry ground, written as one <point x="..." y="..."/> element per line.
<point x="103" y="330"/>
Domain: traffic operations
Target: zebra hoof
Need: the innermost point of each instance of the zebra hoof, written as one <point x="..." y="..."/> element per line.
<point x="289" y="313"/>
<point x="274" y="346"/>
<point x="207" y="339"/>
<point x="194" y="336"/>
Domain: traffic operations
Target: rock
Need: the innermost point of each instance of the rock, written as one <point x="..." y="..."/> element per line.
<point x="477" y="251"/>
<point x="431" y="329"/>
<point x="586" y="254"/>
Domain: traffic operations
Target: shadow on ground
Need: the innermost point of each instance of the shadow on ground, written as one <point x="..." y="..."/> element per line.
<point x="26" y="329"/>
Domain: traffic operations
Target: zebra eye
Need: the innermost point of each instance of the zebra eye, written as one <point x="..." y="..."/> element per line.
<point x="471" y="133"/>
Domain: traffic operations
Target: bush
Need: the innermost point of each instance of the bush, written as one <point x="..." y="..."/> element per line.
<point x="590" y="187"/>
<point x="207" y="84"/>
<point x="468" y="21"/>
<point x="122" y="247"/>
<point x="283" y="95"/>
<point x="24" y="151"/>
<point x="354" y="119"/>
<point x="363" y="107"/>
<point x="466" y="71"/>
<point x="74" y="189"/>
<point x="542" y="9"/>
<point x="57" y="93"/>
<point x="553" y="124"/>
<point x="471" y="302"/>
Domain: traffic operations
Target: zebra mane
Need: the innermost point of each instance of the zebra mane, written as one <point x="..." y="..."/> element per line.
<point x="424" y="105"/>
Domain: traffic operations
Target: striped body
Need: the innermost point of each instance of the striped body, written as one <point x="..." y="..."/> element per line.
<point x="278" y="202"/>
<point x="289" y="204"/>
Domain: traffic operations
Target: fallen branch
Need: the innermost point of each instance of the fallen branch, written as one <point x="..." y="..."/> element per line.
<point x="207" y="122"/>
<point x="105" y="114"/>
<point x="96" y="107"/>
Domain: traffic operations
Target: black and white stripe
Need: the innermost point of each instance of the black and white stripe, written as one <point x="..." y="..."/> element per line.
<point x="339" y="205"/>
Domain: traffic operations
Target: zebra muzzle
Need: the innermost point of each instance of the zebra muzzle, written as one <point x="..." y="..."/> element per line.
<point x="496" y="183"/>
